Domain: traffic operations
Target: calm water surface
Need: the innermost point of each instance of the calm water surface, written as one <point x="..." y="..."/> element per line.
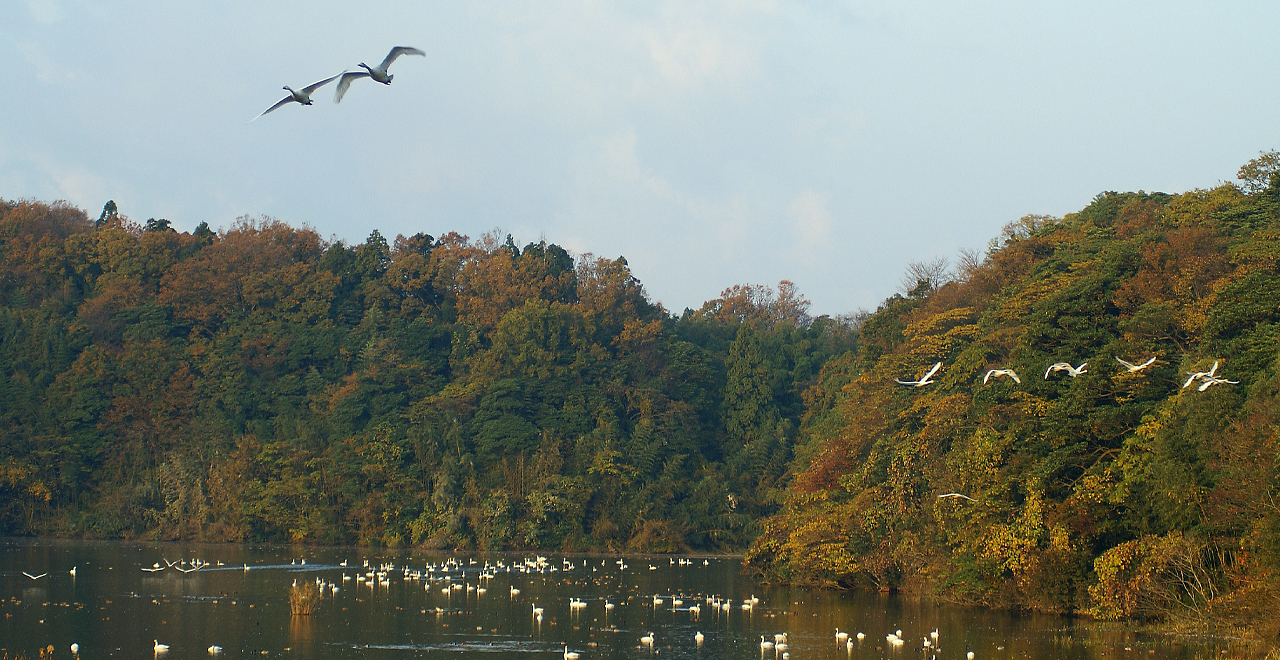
<point x="112" y="608"/>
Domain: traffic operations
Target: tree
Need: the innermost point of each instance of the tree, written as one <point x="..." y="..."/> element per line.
<point x="1258" y="174"/>
<point x="110" y="214"/>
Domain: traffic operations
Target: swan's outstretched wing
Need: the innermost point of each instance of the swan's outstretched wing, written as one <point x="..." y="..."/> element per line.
<point x="1127" y="365"/>
<point x="905" y="382"/>
<point x="988" y="376"/>
<point x="1050" y="370"/>
<point x="397" y="52"/>
<point x="1147" y="363"/>
<point x="1191" y="379"/>
<point x="284" y="101"/>
<point x="345" y="82"/>
<point x="1014" y="376"/>
<point x="934" y="370"/>
<point x="317" y="85"/>
<point x="1214" y="369"/>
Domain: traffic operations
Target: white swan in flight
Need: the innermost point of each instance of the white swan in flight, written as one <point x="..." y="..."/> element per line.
<point x="1001" y="372"/>
<point x="1197" y="375"/>
<point x="34" y="577"/>
<point x="1210" y="381"/>
<point x="924" y="380"/>
<point x="1134" y="368"/>
<point x="302" y="96"/>
<point x="957" y="495"/>
<point x="1065" y="366"/>
<point x="378" y="73"/>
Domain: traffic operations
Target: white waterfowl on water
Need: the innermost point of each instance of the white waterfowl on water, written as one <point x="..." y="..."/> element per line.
<point x="1198" y="375"/>
<point x="1134" y="368"/>
<point x="300" y="96"/>
<point x="1001" y="372"/>
<point x="924" y="380"/>
<point x="1066" y="366"/>
<point x="159" y="648"/>
<point x="378" y="73"/>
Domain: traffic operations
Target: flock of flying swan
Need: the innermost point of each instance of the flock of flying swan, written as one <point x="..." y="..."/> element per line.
<point x="378" y="73"/>
<point x="1207" y="378"/>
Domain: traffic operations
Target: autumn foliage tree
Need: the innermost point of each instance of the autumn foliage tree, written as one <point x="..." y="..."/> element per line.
<point x="1115" y="494"/>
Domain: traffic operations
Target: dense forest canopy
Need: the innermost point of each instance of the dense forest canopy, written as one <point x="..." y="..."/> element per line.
<point x="264" y="384"/>
<point x="1115" y="493"/>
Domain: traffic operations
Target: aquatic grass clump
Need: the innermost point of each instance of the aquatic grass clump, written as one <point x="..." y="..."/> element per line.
<point x="304" y="598"/>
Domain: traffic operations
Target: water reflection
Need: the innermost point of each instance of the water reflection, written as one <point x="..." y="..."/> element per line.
<point x="413" y="605"/>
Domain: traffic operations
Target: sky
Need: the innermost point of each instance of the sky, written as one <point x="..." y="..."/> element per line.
<point x="710" y="143"/>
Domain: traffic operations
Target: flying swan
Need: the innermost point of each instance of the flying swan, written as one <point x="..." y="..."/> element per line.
<point x="1198" y="375"/>
<point x="302" y="96"/>
<point x="1134" y="368"/>
<point x="378" y="73"/>
<point x="957" y="495"/>
<point x="924" y="380"/>
<point x="1001" y="372"/>
<point x="1210" y="381"/>
<point x="1065" y="366"/>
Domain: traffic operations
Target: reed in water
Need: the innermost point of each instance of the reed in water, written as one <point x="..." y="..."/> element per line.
<point x="304" y="598"/>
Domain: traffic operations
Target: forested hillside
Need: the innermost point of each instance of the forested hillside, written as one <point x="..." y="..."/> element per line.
<point x="1113" y="492"/>
<point x="262" y="384"/>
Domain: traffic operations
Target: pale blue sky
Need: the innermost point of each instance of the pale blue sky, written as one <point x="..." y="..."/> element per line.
<point x="711" y="143"/>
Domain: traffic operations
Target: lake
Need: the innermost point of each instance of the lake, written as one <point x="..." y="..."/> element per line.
<point x="428" y="605"/>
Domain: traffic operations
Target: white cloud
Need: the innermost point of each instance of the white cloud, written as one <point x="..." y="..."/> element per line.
<point x="812" y="222"/>
<point x="45" y="11"/>
<point x="711" y="142"/>
<point x="47" y="68"/>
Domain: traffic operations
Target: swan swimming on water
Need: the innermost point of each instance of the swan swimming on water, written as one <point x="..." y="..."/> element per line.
<point x="378" y="73"/>
<point x="924" y="380"/>
<point x="302" y="96"/>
